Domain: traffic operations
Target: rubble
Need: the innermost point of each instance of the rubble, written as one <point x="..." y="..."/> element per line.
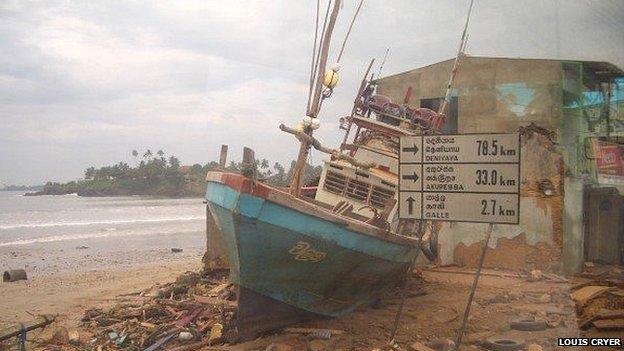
<point x="197" y="311"/>
<point x="74" y="337"/>
<point x="599" y="299"/>
<point x="174" y="315"/>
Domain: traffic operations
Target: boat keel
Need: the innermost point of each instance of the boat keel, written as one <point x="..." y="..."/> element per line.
<point x="258" y="314"/>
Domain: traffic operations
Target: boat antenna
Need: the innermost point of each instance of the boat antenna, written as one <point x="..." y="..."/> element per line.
<point x="460" y="53"/>
<point x="382" y="63"/>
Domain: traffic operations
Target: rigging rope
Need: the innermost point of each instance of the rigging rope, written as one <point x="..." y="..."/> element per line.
<point x="383" y="62"/>
<point x="344" y="42"/>
<point x="318" y="57"/>
<point x="312" y="64"/>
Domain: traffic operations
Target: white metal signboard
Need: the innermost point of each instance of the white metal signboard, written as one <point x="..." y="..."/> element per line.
<point x="463" y="178"/>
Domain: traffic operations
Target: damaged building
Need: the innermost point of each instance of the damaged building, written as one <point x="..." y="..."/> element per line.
<point x="572" y="209"/>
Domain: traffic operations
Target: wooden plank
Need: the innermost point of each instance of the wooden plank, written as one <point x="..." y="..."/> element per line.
<point x="16" y="329"/>
<point x="376" y="125"/>
<point x="602" y="314"/>
<point x="312" y="330"/>
<point x="555" y="277"/>
<point x="472" y="272"/>
<point x="587" y="293"/>
<point x="218" y="289"/>
<point x="214" y="301"/>
<point x="609" y="324"/>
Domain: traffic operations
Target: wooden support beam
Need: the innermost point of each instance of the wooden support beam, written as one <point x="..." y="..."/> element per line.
<point x="249" y="163"/>
<point x="223" y="156"/>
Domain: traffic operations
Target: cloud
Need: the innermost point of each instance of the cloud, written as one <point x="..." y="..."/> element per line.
<point x="83" y="83"/>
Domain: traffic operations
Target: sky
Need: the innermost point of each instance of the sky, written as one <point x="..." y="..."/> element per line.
<point x="83" y="83"/>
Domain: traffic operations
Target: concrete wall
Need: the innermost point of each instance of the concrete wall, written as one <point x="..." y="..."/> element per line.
<point x="503" y="95"/>
<point x="494" y="94"/>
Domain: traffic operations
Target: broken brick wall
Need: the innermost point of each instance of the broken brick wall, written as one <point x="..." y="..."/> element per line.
<point x="536" y="243"/>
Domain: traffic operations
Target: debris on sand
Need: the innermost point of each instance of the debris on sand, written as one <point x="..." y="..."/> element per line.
<point x="189" y="313"/>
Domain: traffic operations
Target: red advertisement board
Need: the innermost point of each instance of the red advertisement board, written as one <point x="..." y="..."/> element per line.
<point x="609" y="161"/>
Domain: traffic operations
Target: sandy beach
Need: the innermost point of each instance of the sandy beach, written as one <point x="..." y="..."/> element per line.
<point x="69" y="293"/>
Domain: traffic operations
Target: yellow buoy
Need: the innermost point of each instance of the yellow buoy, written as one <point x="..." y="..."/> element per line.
<point x="331" y="79"/>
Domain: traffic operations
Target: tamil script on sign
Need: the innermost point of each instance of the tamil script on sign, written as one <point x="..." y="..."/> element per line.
<point x="470" y="178"/>
<point x="471" y="148"/>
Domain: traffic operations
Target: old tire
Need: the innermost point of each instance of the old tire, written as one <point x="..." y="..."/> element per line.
<point x="503" y="344"/>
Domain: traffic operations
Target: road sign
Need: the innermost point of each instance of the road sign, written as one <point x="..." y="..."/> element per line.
<point x="411" y="201"/>
<point x="411" y="177"/>
<point x="465" y="177"/>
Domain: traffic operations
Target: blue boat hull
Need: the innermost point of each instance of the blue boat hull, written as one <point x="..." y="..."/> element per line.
<point x="312" y="264"/>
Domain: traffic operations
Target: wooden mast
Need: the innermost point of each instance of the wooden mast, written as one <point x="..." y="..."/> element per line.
<point x="355" y="104"/>
<point x="460" y="53"/>
<point x="295" y="184"/>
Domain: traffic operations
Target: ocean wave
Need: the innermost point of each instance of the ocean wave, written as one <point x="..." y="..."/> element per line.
<point x="54" y="238"/>
<point x="74" y="224"/>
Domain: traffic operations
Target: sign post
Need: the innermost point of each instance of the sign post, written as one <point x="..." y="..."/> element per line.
<point x="461" y="178"/>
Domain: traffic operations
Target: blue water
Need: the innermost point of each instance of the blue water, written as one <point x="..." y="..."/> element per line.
<point x="53" y="231"/>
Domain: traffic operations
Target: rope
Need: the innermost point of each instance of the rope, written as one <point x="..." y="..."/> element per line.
<point x="312" y="64"/>
<point x="316" y="63"/>
<point x="344" y="42"/>
<point x="383" y="62"/>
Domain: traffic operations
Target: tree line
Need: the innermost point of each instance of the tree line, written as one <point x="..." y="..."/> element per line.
<point x="160" y="174"/>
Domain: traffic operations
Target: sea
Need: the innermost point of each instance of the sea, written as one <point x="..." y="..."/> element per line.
<point x="48" y="234"/>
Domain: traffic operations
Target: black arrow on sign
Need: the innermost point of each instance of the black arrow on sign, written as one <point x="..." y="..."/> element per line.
<point x="413" y="149"/>
<point x="413" y="177"/>
<point x="410" y="205"/>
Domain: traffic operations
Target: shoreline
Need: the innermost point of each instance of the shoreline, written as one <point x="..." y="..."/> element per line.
<point x="156" y="196"/>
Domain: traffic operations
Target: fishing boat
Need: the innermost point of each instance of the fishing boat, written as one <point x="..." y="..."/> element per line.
<point x="324" y="253"/>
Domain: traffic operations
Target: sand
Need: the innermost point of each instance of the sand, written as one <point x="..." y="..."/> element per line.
<point x="70" y="292"/>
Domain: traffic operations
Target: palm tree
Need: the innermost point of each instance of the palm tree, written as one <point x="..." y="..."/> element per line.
<point x="135" y="154"/>
<point x="90" y="173"/>
<point x="264" y="164"/>
<point x="174" y="162"/>
<point x="160" y="153"/>
<point x="147" y="154"/>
